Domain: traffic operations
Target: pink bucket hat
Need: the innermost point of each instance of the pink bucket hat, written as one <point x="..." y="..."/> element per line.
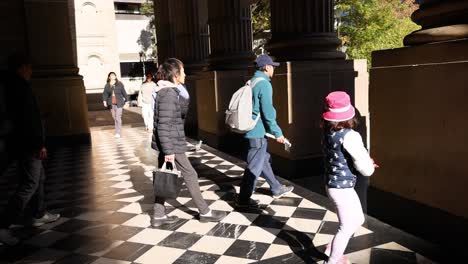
<point x="339" y="107"/>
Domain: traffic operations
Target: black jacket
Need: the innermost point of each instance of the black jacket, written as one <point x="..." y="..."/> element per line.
<point x="24" y="116"/>
<point x="168" y="132"/>
<point x="120" y="94"/>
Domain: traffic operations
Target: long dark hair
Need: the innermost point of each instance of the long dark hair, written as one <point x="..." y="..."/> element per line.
<point x="169" y="70"/>
<point x="108" y="77"/>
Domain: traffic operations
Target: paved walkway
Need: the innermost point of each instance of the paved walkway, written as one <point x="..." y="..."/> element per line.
<point x="104" y="193"/>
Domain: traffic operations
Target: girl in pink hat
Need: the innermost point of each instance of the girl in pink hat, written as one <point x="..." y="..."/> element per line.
<point x="345" y="156"/>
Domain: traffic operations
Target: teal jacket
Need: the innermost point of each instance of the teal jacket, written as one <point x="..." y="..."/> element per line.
<point x="262" y="98"/>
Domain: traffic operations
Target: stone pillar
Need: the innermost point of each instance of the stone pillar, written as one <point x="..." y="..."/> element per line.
<point x="417" y="101"/>
<point x="164" y="29"/>
<point x="303" y="30"/>
<point x="191" y="36"/>
<point x="440" y="21"/>
<point x="60" y="90"/>
<point x="230" y="34"/>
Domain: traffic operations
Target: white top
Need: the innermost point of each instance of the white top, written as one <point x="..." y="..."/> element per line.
<point x="353" y="144"/>
<point x="146" y="92"/>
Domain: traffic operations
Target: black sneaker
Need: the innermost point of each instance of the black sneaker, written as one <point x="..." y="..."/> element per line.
<point x="155" y="222"/>
<point x="283" y="191"/>
<point x="250" y="204"/>
<point x="216" y="216"/>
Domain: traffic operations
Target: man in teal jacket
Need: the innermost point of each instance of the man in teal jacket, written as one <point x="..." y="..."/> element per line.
<point x="258" y="159"/>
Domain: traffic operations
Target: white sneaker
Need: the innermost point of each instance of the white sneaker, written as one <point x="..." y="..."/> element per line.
<point x="47" y="218"/>
<point x="7" y="238"/>
<point x="117" y="136"/>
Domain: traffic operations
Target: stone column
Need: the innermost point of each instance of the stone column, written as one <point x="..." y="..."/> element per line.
<point x="303" y="30"/>
<point x="440" y="21"/>
<point x="191" y="36"/>
<point x="164" y="29"/>
<point x="230" y="34"/>
<point x="51" y="41"/>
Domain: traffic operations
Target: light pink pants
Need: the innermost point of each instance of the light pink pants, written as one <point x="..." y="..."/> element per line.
<point x="351" y="217"/>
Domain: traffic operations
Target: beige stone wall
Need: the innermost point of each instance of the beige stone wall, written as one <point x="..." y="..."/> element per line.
<point x="96" y="42"/>
<point x="418" y="116"/>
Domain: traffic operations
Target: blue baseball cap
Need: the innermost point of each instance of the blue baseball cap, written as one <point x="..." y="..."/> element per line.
<point x="264" y="60"/>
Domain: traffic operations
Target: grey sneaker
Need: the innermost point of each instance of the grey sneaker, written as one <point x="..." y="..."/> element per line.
<point x="45" y="219"/>
<point x="283" y="191"/>
<point x="7" y="238"/>
<point x="155" y="222"/>
<point x="216" y="216"/>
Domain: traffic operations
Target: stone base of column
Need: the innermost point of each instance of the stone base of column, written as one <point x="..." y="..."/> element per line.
<point x="418" y="100"/>
<point x="232" y="61"/>
<point x="62" y="99"/>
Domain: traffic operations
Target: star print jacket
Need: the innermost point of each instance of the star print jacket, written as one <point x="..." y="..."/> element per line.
<point x="345" y="157"/>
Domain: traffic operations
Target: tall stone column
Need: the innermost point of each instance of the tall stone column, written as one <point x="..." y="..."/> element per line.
<point x="191" y="36"/>
<point x="230" y="34"/>
<point x="164" y="29"/>
<point x="417" y="100"/>
<point x="440" y="21"/>
<point x="51" y="41"/>
<point x="303" y="30"/>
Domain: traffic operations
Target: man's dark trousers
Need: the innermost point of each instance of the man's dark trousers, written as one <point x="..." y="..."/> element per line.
<point x="258" y="163"/>
<point x="30" y="191"/>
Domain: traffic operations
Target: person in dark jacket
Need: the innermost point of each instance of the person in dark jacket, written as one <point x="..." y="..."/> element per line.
<point x="26" y="143"/>
<point x="169" y="140"/>
<point x="114" y="97"/>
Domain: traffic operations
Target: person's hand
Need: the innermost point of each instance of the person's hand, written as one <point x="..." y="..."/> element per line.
<point x="104" y="103"/>
<point x="375" y="164"/>
<point x="280" y="140"/>
<point x="42" y="153"/>
<point x="169" y="158"/>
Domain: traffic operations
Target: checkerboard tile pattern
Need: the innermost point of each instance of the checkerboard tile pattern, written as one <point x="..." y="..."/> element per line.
<point x="104" y="193"/>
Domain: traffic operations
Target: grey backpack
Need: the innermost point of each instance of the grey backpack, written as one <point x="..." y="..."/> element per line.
<point x="239" y="115"/>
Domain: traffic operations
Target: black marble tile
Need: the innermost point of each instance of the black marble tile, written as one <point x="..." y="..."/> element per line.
<point x="329" y="228"/>
<point x="72" y="225"/>
<point x="316" y="214"/>
<point x="72" y="242"/>
<point x="191" y="257"/>
<point x="269" y="221"/>
<point x="128" y="251"/>
<point x="288" y="201"/>
<point x="16" y="253"/>
<point x="76" y="259"/>
<point x="180" y="240"/>
<point x="97" y="230"/>
<point x="247" y="249"/>
<point x="227" y="230"/>
<point x="123" y="232"/>
<point x="117" y="218"/>
<point x="71" y="212"/>
<point x="95" y="246"/>
<point x="385" y="256"/>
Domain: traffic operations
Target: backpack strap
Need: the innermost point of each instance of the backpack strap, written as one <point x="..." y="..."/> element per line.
<point x="252" y="85"/>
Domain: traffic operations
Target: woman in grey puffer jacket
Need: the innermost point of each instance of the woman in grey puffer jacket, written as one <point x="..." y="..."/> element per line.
<point x="169" y="140"/>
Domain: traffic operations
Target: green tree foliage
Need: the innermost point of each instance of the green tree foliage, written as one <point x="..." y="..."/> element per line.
<point x="260" y="24"/>
<point x="147" y="39"/>
<point x="368" y="25"/>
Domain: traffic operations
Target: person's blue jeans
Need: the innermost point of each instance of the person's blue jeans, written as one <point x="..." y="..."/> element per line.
<point x="258" y="163"/>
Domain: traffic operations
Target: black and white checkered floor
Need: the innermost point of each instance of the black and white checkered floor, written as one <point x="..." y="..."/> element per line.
<point x="104" y="194"/>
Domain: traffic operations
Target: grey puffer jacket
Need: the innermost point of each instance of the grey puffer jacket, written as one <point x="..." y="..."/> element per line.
<point x="168" y="132"/>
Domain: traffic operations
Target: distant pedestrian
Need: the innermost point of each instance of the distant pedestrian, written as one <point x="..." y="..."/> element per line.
<point x="114" y="97"/>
